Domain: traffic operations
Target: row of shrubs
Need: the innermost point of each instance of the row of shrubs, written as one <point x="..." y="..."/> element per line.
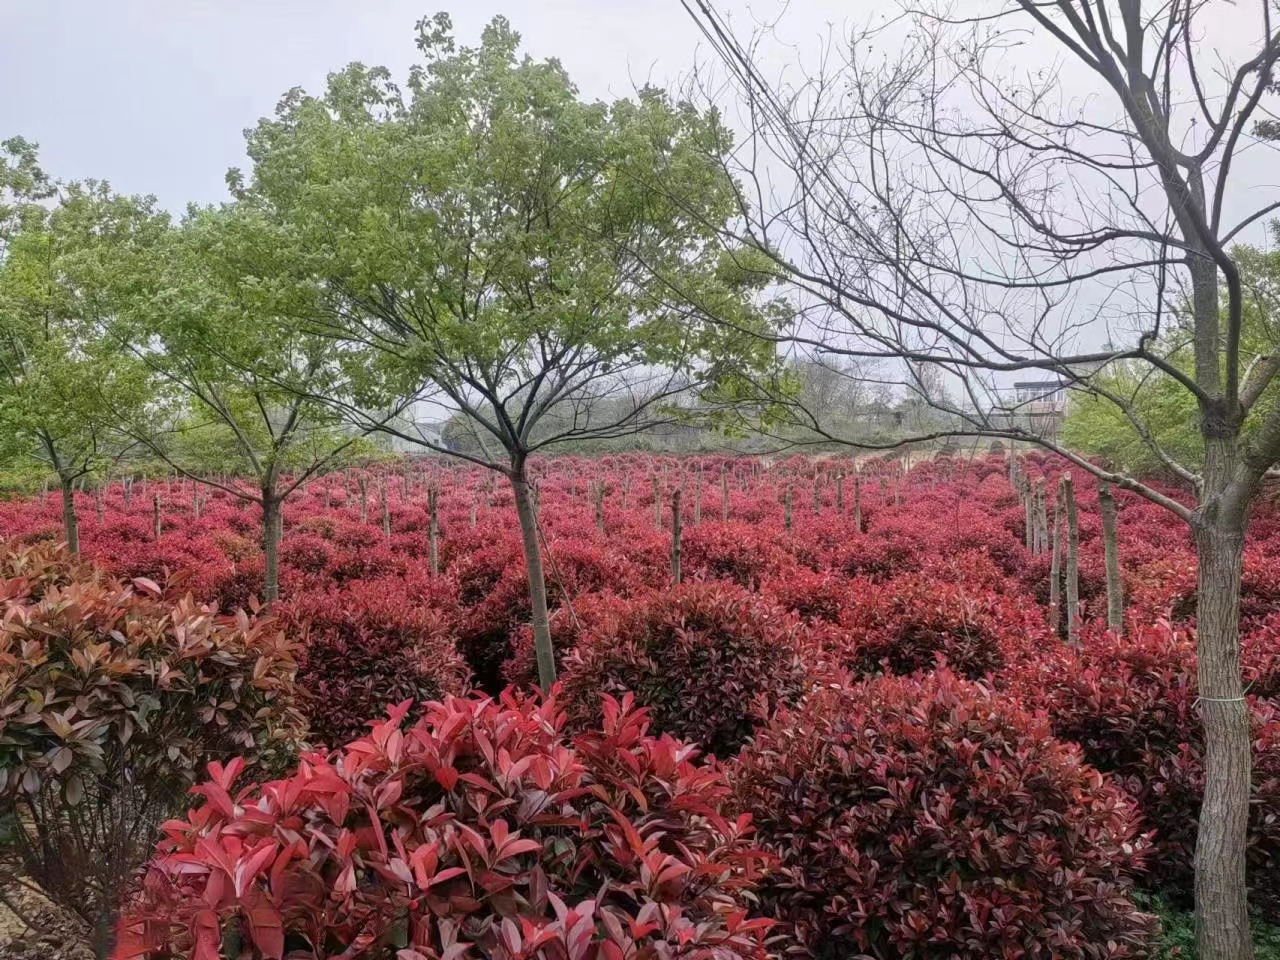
<point x="960" y="808"/>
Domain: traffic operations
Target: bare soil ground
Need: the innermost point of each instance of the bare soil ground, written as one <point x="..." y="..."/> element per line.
<point x="51" y="935"/>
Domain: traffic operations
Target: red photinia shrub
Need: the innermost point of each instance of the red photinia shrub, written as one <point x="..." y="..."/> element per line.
<point x="914" y="623"/>
<point x="813" y="596"/>
<point x="734" y="551"/>
<point x="308" y="553"/>
<point x="366" y="647"/>
<point x="975" y="569"/>
<point x="1260" y="659"/>
<point x="929" y="817"/>
<point x="111" y="698"/>
<point x="592" y="611"/>
<point x="710" y="662"/>
<point x="878" y="557"/>
<point x="28" y="570"/>
<point x="1130" y="703"/>
<point x="479" y="831"/>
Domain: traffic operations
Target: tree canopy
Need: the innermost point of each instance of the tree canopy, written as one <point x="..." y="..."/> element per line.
<point x="486" y="242"/>
<point x="59" y="247"/>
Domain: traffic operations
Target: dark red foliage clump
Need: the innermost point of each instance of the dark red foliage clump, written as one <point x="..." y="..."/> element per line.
<point x="914" y="623"/>
<point x="1130" y="703"/>
<point x="366" y="647"/>
<point x="931" y="818"/>
<point x="710" y="662"/>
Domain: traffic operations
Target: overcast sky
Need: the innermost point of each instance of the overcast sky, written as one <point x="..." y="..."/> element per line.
<point x="153" y="95"/>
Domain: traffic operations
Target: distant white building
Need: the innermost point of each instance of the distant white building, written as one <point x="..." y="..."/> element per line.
<point x="1035" y="406"/>
<point x="426" y="431"/>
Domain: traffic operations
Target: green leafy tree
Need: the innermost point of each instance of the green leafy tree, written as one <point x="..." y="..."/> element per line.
<point x="496" y="247"/>
<point x="1141" y="419"/>
<point x="218" y="321"/>
<point x="54" y="364"/>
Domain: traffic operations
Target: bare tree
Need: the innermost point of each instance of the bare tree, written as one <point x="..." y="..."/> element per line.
<point x="954" y="202"/>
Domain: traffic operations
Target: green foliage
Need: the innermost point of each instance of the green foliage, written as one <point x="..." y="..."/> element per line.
<point x="1177" y="937"/>
<point x="1166" y="410"/>
<point x="213" y="318"/>
<point x="488" y="239"/>
<point x="112" y="700"/>
<point x="63" y="386"/>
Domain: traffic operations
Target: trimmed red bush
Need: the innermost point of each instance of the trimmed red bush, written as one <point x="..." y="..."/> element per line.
<point x="931" y="818"/>
<point x="914" y="623"/>
<point x="367" y="647"/>
<point x="733" y="551"/>
<point x="480" y="830"/>
<point x="710" y="662"/>
<point x="820" y="597"/>
<point x="1130" y="703"/>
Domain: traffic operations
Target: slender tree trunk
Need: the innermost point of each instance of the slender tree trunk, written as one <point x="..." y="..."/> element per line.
<point x="724" y="496"/>
<point x="675" y="535"/>
<point x="97" y="502"/>
<point x="70" y="522"/>
<point x="657" y="502"/>
<point x="364" y="498"/>
<point x="840" y="494"/>
<point x="433" y="531"/>
<point x="857" y="503"/>
<point x="1067" y="492"/>
<point x="1111" y="551"/>
<point x="527" y="513"/>
<point x="599" y="497"/>
<point x="1055" y="568"/>
<point x="786" y="509"/>
<point x="1028" y="513"/>
<point x="272" y="533"/>
<point x="386" y="511"/>
<point x="1222" y="922"/>
<point x="156" y="522"/>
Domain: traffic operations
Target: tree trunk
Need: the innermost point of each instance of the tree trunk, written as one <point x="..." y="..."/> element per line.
<point x="526" y="511"/>
<point x="272" y="533"/>
<point x="857" y="503"/>
<point x="675" y="536"/>
<point x="70" y="522"/>
<point x="840" y="494"/>
<point x="1028" y="511"/>
<point x="1067" y="492"/>
<point x="1111" y="550"/>
<point x="599" y="495"/>
<point x="386" y="511"/>
<point x="156" y="523"/>
<point x="724" y="496"/>
<point x="1055" y="568"/>
<point x="433" y="531"/>
<point x="786" y="509"/>
<point x="1222" y="922"/>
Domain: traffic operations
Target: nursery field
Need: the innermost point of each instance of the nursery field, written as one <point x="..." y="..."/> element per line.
<point x="843" y="717"/>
